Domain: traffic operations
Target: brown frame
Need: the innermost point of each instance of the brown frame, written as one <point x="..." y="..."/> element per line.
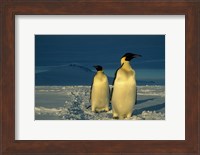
<point x="10" y="8"/>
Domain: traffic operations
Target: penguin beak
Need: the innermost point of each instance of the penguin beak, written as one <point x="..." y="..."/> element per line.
<point x="136" y="55"/>
<point x="130" y="56"/>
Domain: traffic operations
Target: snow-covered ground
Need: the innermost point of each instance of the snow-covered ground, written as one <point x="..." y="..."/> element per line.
<point x="72" y="102"/>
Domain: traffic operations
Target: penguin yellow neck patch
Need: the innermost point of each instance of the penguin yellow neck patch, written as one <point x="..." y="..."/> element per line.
<point x="100" y="71"/>
<point x="123" y="60"/>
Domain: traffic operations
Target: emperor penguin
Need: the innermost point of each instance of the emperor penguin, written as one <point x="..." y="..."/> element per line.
<point x="124" y="88"/>
<point x="100" y="92"/>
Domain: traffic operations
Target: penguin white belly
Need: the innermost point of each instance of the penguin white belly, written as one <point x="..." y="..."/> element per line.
<point x="124" y="97"/>
<point x="100" y="95"/>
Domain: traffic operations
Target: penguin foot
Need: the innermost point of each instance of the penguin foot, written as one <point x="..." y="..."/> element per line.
<point x="116" y="117"/>
<point x="106" y="109"/>
<point x="98" y="110"/>
<point x="124" y="116"/>
<point x="128" y="115"/>
<point x="121" y="117"/>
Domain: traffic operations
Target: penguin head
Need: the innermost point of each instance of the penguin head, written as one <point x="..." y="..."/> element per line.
<point x="98" y="68"/>
<point x="129" y="57"/>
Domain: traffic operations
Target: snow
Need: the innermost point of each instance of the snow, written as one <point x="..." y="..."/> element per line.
<point x="72" y="103"/>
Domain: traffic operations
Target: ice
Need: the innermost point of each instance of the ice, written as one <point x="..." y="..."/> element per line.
<point x="72" y="102"/>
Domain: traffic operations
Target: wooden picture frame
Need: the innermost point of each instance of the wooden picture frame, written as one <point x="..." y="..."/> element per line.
<point x="10" y="8"/>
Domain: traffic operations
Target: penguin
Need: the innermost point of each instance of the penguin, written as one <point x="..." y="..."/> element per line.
<point x="100" y="91"/>
<point x="124" y="88"/>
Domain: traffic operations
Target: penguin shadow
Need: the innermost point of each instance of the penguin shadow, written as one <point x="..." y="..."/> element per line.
<point x="142" y="101"/>
<point x="150" y="108"/>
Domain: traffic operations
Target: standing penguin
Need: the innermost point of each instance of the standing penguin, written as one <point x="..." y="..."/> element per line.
<point x="124" y="89"/>
<point x="99" y="96"/>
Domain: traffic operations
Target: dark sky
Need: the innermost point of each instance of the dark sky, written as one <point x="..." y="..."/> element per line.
<point x="105" y="50"/>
